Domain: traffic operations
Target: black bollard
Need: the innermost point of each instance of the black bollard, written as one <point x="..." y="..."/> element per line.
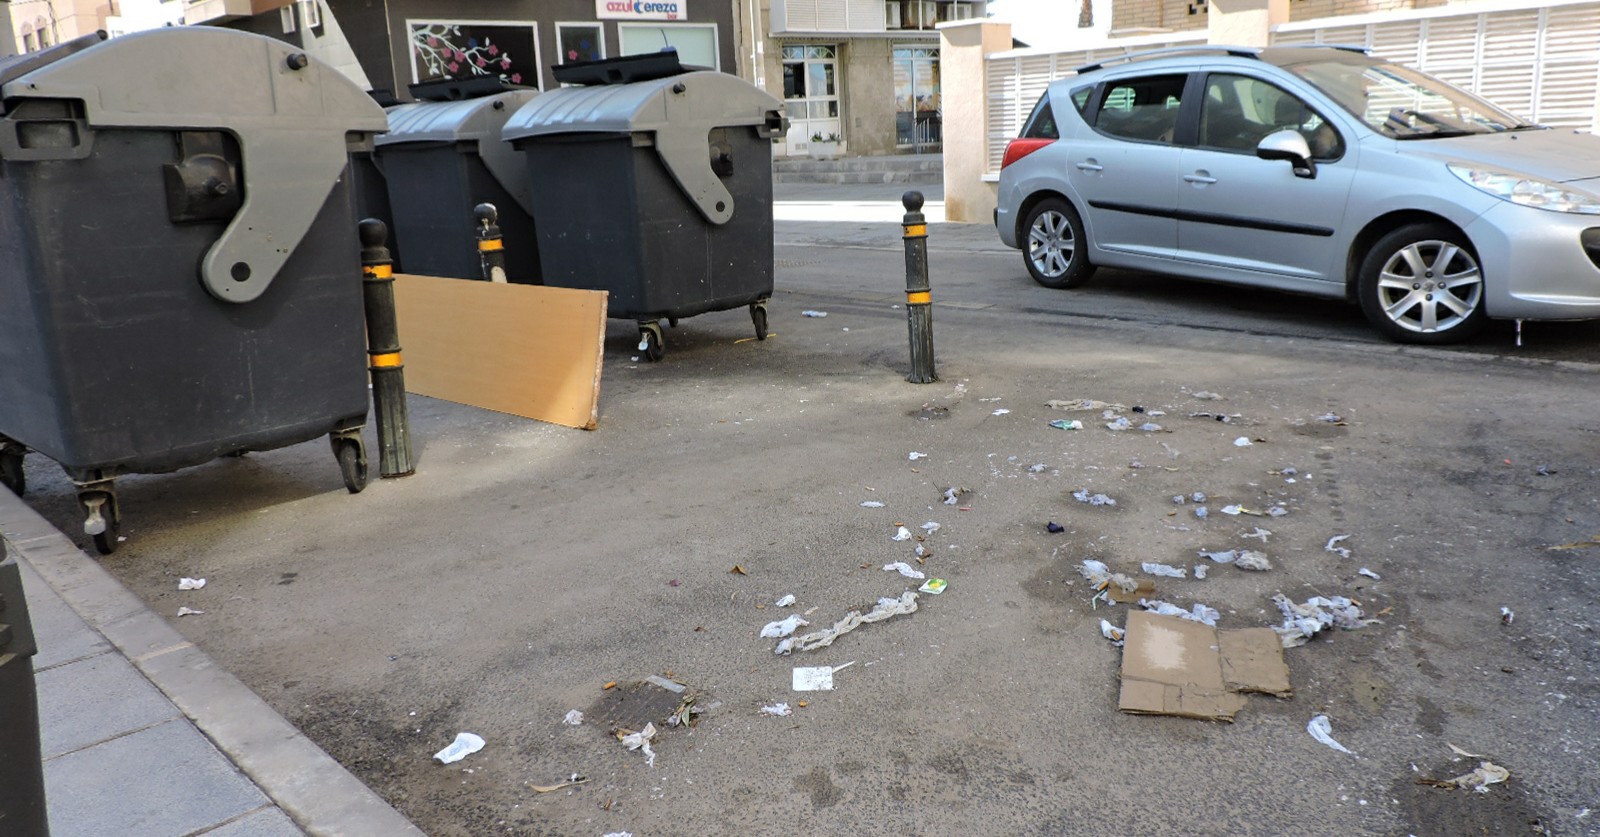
<point x="491" y="247"/>
<point x="383" y="351"/>
<point x="22" y="803"/>
<point x="919" y="301"/>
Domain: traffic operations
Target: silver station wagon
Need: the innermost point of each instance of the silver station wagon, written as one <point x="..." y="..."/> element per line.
<point x="1317" y="170"/>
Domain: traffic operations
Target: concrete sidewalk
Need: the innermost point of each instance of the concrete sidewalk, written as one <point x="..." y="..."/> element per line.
<point x="142" y="734"/>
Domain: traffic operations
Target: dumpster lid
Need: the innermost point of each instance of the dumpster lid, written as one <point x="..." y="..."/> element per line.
<point x="680" y="110"/>
<point x="470" y="120"/>
<point x="456" y="89"/>
<point x="290" y="114"/>
<point x="16" y="65"/>
<point x="624" y="69"/>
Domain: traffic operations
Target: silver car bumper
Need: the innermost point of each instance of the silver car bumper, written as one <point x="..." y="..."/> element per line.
<point x="1535" y="265"/>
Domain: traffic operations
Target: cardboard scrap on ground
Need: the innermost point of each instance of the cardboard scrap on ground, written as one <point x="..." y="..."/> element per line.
<point x="1172" y="666"/>
<point x="527" y="350"/>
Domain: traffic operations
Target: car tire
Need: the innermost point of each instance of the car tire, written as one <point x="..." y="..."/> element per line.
<point x="1422" y="284"/>
<point x="1054" y="246"/>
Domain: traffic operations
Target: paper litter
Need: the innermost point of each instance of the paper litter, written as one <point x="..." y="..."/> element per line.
<point x="1121" y="423"/>
<point x="573" y="719"/>
<point x="1369" y="574"/>
<point x="905" y="569"/>
<point x="1165" y="570"/>
<point x="777" y="710"/>
<point x="1259" y="534"/>
<point x="1001" y="412"/>
<point x="1112" y="587"/>
<point x="930" y="527"/>
<point x="1082" y="495"/>
<point x="783" y="627"/>
<point x="1506" y="615"/>
<point x="813" y="313"/>
<point x="915" y="455"/>
<point x="1207" y="396"/>
<point x="1485" y="774"/>
<point x="1081" y="405"/>
<point x="1200" y="571"/>
<point x="1321" y="730"/>
<point x="1301" y="622"/>
<point x="1333" y="546"/>
<point x="1150" y="427"/>
<point x="887" y="608"/>
<point x="903" y="534"/>
<point x="785" y="601"/>
<point x="191" y="583"/>
<point x="465" y="745"/>
<point x="871" y="504"/>
<point x="952" y="495"/>
<point x="1067" y="424"/>
<point x="816" y="679"/>
<point x="1176" y="667"/>
<point x="933" y="586"/>
<point x="1224" y="557"/>
<point x="1253" y="561"/>
<point x="1207" y="616"/>
<point x="189" y="611"/>
<point x="641" y="741"/>
<point x="1111" y="632"/>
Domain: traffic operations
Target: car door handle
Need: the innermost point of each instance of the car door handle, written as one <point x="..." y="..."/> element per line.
<point x="1090" y="165"/>
<point x="1199" y="177"/>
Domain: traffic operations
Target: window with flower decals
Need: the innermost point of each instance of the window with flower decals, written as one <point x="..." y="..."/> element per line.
<point x="458" y="50"/>
<point x="580" y="42"/>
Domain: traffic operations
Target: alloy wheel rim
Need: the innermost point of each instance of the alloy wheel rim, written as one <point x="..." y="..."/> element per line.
<point x="1430" y="286"/>
<point x="1050" y="244"/>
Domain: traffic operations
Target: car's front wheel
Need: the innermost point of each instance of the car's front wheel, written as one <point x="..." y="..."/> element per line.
<point x="1054" y="249"/>
<point x="1421" y="284"/>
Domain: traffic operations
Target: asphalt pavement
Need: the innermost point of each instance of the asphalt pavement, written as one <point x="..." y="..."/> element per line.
<point x="525" y="567"/>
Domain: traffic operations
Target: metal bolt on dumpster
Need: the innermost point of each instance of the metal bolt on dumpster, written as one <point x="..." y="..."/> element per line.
<point x="179" y="257"/>
<point x="654" y="182"/>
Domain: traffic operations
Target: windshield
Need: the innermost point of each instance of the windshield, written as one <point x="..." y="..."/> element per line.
<point x="1403" y="103"/>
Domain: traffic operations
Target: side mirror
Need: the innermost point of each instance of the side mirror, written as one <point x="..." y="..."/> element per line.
<point x="1288" y="144"/>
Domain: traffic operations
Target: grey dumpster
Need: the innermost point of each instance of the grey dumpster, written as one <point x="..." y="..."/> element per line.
<point x="182" y="271"/>
<point x="441" y="159"/>
<point x="656" y="188"/>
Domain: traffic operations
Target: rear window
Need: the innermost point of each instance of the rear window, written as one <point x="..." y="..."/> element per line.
<point x="1041" y="123"/>
<point x="1143" y="108"/>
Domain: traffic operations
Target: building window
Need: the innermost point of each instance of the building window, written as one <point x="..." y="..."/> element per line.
<point x="473" y="49"/>
<point x="286" y="19"/>
<point x="28" y="43"/>
<point x="918" y="119"/>
<point x="311" y="14"/>
<point x="696" y="43"/>
<point x="580" y="42"/>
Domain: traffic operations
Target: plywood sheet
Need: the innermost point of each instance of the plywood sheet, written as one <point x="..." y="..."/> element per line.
<point x="526" y="350"/>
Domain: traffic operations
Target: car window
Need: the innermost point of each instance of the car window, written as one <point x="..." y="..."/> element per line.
<point x="1402" y="103"/>
<point x="1041" y="123"/>
<point x="1238" y="111"/>
<point x="1143" y="108"/>
<point x="1080" y="97"/>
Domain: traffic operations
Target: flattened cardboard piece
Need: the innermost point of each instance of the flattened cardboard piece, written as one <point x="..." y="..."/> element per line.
<point x="1252" y="661"/>
<point x="527" y="350"/>
<point x="1145" y="590"/>
<point x="1172" y="666"/>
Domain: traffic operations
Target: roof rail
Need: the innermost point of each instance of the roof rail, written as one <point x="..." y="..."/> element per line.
<point x="1364" y="50"/>
<point x="1237" y="52"/>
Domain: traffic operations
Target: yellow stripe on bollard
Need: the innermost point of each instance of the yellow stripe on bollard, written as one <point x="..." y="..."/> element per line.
<point x="386" y="361"/>
<point x="921" y="298"/>
<point x="491" y="245"/>
<point x="381" y="271"/>
<point x="916" y="231"/>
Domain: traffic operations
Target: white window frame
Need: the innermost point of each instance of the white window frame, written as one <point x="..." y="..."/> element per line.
<point x="533" y="25"/>
<point x="286" y="19"/>
<point x="310" y="14"/>
<point x="597" y="24"/>
<point x="716" y="36"/>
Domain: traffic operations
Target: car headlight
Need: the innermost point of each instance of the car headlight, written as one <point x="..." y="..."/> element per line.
<point x="1540" y="194"/>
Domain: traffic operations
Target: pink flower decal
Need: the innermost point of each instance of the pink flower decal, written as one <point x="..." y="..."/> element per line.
<point x="494" y="50"/>
<point x="452" y="66"/>
<point x="516" y="78"/>
<point x="432" y="41"/>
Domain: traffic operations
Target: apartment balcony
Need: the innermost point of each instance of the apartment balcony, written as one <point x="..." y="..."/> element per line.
<point x="221" y="11"/>
<point x="867" y="17"/>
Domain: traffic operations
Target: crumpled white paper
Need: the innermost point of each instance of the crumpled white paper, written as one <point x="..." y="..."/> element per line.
<point x="785" y="601"/>
<point x="191" y="583"/>
<point x="573" y="719"/>
<point x="1321" y="730"/>
<point x="783" y="627"/>
<point x="466" y="744"/>
<point x="641" y="741"/>
<point x="1164" y="570"/>
<point x="903" y="534"/>
<point x="777" y="710"/>
<point x="905" y="569"/>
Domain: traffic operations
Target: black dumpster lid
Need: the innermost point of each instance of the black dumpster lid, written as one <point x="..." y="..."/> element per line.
<point x="625" y="69"/>
<point x="455" y="90"/>
<point x="18" y="65"/>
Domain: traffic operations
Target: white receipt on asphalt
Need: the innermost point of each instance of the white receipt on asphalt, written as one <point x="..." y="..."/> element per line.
<point x="466" y="744"/>
<point x="887" y="608"/>
<point x="816" y="678"/>
<point x="1321" y="730"/>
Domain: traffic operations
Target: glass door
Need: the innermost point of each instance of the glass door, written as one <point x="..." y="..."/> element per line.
<point x="811" y="95"/>
<point x="916" y="95"/>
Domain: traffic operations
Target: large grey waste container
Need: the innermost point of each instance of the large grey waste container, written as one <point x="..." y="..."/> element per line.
<point x="658" y="190"/>
<point x="181" y="265"/>
<point x="440" y="160"/>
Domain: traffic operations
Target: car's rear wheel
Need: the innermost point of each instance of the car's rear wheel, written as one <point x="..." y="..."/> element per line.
<point x="1055" y="248"/>
<point x="1422" y="284"/>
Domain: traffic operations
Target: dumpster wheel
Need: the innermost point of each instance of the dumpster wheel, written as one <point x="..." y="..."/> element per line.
<point x="650" y="342"/>
<point x="352" y="455"/>
<point x="11" y="474"/>
<point x="102" y="518"/>
<point x="758" y="316"/>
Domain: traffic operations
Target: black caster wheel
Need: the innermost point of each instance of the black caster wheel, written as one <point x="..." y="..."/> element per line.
<point x="102" y="520"/>
<point x="672" y="322"/>
<point x="352" y="455"/>
<point x="11" y="474"/>
<point x="650" y="343"/>
<point x="758" y="316"/>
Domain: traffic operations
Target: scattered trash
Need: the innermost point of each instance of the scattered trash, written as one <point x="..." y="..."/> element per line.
<point x="809" y="313"/>
<point x="465" y="745"/>
<point x="915" y="455"/>
<point x="952" y="495"/>
<point x="1200" y="572"/>
<point x="783" y="627"/>
<point x="670" y="685"/>
<point x="1113" y="587"/>
<point x="1121" y="423"/>
<point x="777" y="710"/>
<point x="1224" y="557"/>
<point x="1037" y="468"/>
<point x="640" y="741"/>
<point x="1207" y="616"/>
<point x="1252" y="561"/>
<point x="630" y="833"/>
<point x="903" y="534"/>
<point x="1506" y="616"/>
<point x="1001" y="412"/>
<point x="904" y="569"/>
<point x="1544" y="471"/>
<point x="1207" y="396"/>
<point x="1082" y="405"/>
<point x="573" y="719"/>
<point x="1485" y="774"/>
<point x="1150" y="427"/>
<point x="191" y="583"/>
<point x="1222" y="417"/>
<point x="1233" y="509"/>
<point x="1289" y="472"/>
<point x="1242" y="442"/>
<point x="1164" y="570"/>
<point x="1054" y="528"/>
<point x="887" y="608"/>
<point x="1333" y="546"/>
<point x="1593" y="541"/>
<point x="1200" y="512"/>
<point x="1111" y="632"/>
<point x="1191" y="670"/>
<point x="1321" y="730"/>
<point x="674" y="583"/>
<point x="817" y="679"/>
<point x="1178" y="499"/>
<point x="785" y="601"/>
<point x="1259" y="534"/>
<point x="189" y="611"/>
<point x="871" y="504"/>
<point x="1331" y="418"/>
<point x="685" y="714"/>
<point x="1301" y="622"/>
<point x="1198" y="497"/>
<point x="1369" y="574"/>
<point x="1082" y="495"/>
<point x="930" y="527"/>
<point x="738" y="569"/>
<point x="934" y="586"/>
<point x="1277" y="511"/>
<point x="574" y="780"/>
<point x="1067" y="424"/>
